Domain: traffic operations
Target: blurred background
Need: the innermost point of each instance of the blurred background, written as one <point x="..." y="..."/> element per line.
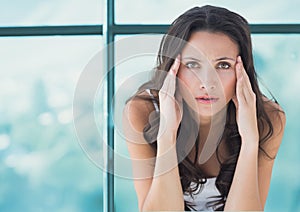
<point x="43" y="167"/>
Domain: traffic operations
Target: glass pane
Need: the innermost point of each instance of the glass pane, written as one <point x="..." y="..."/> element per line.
<point x="133" y="66"/>
<point x="43" y="167"/>
<point x="56" y="12"/>
<point x="279" y="73"/>
<point x="164" y="12"/>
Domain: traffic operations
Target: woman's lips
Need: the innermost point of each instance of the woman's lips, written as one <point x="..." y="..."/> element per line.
<point x="207" y="99"/>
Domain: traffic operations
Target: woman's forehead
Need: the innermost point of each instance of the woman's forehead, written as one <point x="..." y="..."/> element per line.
<point x="215" y="45"/>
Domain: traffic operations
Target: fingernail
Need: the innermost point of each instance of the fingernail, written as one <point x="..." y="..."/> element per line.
<point x="178" y="58"/>
<point x="172" y="71"/>
<point x="239" y="59"/>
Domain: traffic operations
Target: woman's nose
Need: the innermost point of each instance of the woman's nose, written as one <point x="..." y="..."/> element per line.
<point x="208" y="80"/>
<point x="207" y="86"/>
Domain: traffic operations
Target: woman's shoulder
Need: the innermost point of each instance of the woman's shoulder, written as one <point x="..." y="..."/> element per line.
<point x="135" y="117"/>
<point x="278" y="120"/>
<point x="274" y="111"/>
<point x="138" y="109"/>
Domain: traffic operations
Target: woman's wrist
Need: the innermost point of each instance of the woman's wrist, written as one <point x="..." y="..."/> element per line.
<point x="167" y="135"/>
<point x="250" y="143"/>
<point x="250" y="138"/>
<point x="166" y="141"/>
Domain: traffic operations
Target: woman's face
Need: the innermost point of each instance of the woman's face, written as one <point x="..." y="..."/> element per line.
<point x="206" y="75"/>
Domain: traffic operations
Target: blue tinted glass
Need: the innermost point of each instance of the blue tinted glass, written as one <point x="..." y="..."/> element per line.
<point x="277" y="61"/>
<point x="43" y="167"/>
<point x="56" y="12"/>
<point x="132" y="69"/>
<point x="164" y="12"/>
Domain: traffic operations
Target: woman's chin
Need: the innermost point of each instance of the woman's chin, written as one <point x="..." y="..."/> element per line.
<point x="209" y="111"/>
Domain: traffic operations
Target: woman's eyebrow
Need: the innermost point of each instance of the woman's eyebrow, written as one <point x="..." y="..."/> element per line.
<point x="191" y="58"/>
<point x="225" y="58"/>
<point x="218" y="59"/>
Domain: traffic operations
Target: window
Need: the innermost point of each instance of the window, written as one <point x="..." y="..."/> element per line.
<point x="164" y="12"/>
<point x="56" y="12"/>
<point x="45" y="46"/>
<point x="43" y="166"/>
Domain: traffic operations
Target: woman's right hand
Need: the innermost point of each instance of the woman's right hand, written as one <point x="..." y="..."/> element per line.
<point x="170" y="107"/>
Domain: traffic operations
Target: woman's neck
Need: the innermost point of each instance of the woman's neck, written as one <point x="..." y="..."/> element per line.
<point x="210" y="133"/>
<point x="218" y="119"/>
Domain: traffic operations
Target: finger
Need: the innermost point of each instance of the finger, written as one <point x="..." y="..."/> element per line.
<point x="169" y="85"/>
<point x="166" y="85"/>
<point x="243" y="72"/>
<point x="175" y="67"/>
<point x="172" y="75"/>
<point x="246" y="85"/>
<point x="240" y="94"/>
<point x="239" y="83"/>
<point x="178" y="98"/>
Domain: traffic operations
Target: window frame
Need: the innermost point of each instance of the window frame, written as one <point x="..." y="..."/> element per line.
<point x="110" y="29"/>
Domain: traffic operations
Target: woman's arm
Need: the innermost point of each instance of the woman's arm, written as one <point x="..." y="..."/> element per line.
<point x="165" y="192"/>
<point x="157" y="182"/>
<point x="162" y="189"/>
<point x="252" y="176"/>
<point x="251" y="182"/>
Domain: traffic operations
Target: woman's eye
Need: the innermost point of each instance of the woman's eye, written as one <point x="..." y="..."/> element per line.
<point x="223" y="66"/>
<point x="192" y="65"/>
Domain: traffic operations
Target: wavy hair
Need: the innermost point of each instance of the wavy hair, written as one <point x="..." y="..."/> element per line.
<point x="212" y="19"/>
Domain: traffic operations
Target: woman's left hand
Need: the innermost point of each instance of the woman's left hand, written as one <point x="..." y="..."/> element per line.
<point x="245" y="103"/>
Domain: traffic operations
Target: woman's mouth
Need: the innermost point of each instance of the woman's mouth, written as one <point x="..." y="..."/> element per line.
<point x="207" y="99"/>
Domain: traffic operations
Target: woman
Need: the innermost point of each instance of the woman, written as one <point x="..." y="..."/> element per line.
<point x="200" y="133"/>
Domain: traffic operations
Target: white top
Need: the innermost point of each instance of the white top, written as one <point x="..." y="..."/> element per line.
<point x="154" y="102"/>
<point x="200" y="199"/>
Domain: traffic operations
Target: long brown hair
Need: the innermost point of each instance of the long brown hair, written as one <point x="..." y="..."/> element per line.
<point x="212" y="19"/>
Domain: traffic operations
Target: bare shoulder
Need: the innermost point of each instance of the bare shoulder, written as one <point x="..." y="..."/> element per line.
<point x="278" y="120"/>
<point x="135" y="118"/>
<point x="137" y="111"/>
<point x="276" y="115"/>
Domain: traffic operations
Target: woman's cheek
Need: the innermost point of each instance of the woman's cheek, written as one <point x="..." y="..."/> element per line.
<point x="185" y="84"/>
<point x="230" y="88"/>
<point x="185" y="77"/>
<point x="228" y="82"/>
